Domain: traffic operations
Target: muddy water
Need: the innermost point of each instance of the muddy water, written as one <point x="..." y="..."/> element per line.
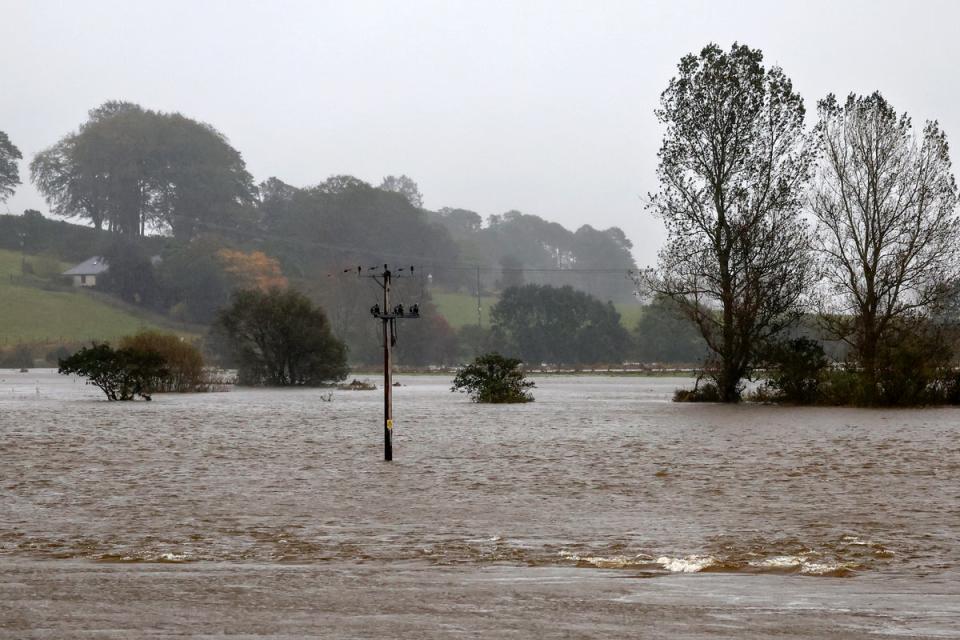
<point x="598" y="509"/>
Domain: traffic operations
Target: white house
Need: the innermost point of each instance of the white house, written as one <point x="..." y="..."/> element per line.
<point x="85" y="274"/>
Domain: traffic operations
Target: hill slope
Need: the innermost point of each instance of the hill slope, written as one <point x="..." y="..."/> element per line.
<point x="31" y="314"/>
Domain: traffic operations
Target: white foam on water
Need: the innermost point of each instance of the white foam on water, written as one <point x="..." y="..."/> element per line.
<point x="688" y="564"/>
<point x="778" y="562"/>
<point x="802" y="564"/>
<point x="608" y="562"/>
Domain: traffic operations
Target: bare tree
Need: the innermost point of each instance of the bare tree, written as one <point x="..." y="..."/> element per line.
<point x="887" y="230"/>
<point x="733" y="166"/>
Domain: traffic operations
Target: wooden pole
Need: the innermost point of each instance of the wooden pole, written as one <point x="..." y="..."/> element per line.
<point x="387" y="372"/>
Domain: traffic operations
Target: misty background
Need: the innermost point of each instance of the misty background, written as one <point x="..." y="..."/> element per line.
<point x="543" y="107"/>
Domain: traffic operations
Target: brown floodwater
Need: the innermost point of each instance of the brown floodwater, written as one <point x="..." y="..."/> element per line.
<point x="599" y="510"/>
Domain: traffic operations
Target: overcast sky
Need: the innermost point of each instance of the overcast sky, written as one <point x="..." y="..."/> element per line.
<point x="545" y="107"/>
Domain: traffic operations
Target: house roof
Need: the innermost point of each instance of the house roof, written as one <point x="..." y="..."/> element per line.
<point x="89" y="267"/>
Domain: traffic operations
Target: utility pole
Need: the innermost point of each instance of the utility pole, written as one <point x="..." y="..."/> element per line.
<point x="389" y="319"/>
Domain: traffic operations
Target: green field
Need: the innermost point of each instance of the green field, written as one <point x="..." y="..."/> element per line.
<point x="461" y="309"/>
<point x="32" y="314"/>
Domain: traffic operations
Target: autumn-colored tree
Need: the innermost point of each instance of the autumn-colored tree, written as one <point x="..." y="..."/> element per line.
<point x="254" y="270"/>
<point x="183" y="361"/>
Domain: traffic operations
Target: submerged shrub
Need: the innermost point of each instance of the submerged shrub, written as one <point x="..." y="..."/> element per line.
<point x="184" y="362"/>
<point x="913" y="366"/>
<point x="495" y="379"/>
<point x="708" y="392"/>
<point x="122" y="374"/>
<point x="795" y="369"/>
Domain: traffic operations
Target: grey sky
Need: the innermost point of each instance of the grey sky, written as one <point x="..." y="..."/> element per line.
<point x="545" y="107"/>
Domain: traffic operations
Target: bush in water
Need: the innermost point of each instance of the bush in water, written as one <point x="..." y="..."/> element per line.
<point x="122" y="374"/>
<point x="495" y="379"/>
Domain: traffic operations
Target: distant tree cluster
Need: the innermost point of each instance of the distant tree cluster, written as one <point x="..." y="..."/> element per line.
<point x="587" y="259"/>
<point x="130" y="170"/>
<point x="738" y="171"/>
<point x="558" y="325"/>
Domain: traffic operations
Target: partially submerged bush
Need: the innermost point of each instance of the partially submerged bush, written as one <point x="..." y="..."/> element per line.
<point x="795" y="369"/>
<point x="122" y="374"/>
<point x="183" y="361"/>
<point x="357" y="385"/>
<point x="708" y="392"/>
<point x="913" y="366"/>
<point x="495" y="379"/>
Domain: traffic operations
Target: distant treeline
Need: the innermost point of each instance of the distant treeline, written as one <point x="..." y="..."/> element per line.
<point x="138" y="172"/>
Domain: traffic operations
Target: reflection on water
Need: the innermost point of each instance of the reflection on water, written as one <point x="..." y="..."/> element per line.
<point x="598" y="472"/>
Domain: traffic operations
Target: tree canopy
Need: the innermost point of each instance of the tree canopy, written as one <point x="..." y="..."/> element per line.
<point x="492" y="378"/>
<point x="346" y="221"/>
<point x="279" y="338"/>
<point x="131" y="169"/>
<point x="588" y="259"/>
<point x="122" y="374"/>
<point x="733" y="167"/>
<point x="558" y="325"/>
<point x="887" y="228"/>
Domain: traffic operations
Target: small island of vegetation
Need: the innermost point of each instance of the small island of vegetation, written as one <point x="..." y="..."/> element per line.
<point x="492" y="378"/>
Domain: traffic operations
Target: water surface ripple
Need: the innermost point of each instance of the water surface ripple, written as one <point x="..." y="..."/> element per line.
<point x="597" y="473"/>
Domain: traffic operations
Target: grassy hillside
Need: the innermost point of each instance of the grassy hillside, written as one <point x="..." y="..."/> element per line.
<point x="461" y="309"/>
<point x="31" y="314"/>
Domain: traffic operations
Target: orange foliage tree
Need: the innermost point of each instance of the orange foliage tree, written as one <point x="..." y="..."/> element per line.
<point x="255" y="270"/>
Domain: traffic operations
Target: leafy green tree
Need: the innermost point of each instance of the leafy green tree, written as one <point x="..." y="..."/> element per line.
<point x="122" y="374"/>
<point x="492" y="378"/>
<point x="9" y="171"/>
<point x="733" y="167"/>
<point x="278" y="338"/>
<point x="130" y="169"/>
<point x="558" y="325"/>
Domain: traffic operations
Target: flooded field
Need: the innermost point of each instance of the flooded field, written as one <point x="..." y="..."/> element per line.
<point x="600" y="510"/>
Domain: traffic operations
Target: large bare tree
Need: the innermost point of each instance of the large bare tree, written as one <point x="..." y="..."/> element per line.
<point x="887" y="230"/>
<point x="733" y="167"/>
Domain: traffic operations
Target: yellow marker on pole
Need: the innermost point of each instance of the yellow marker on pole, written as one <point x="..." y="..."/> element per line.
<point x="389" y="424"/>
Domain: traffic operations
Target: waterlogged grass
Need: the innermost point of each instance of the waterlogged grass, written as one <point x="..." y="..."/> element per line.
<point x="32" y="314"/>
<point x="461" y="309"/>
